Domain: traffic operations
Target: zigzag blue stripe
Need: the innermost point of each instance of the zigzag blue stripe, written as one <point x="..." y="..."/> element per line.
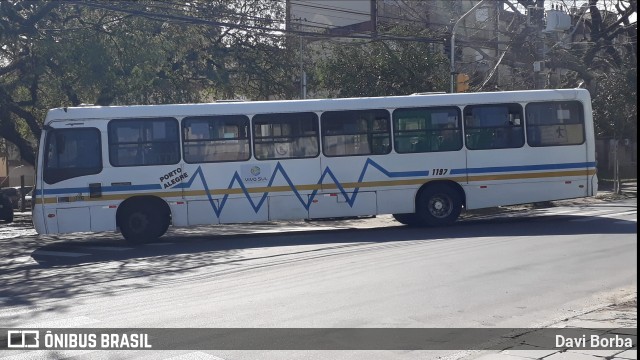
<point x="306" y="204"/>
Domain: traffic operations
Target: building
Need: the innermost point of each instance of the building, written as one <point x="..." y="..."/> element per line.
<point x="12" y="168"/>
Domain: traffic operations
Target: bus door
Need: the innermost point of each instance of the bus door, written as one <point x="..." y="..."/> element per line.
<point x="495" y="143"/>
<point x="72" y="163"/>
<point x="561" y="145"/>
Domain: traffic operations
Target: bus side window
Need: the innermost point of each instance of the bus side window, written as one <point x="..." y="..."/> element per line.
<point x="142" y="142"/>
<point x="285" y="135"/>
<point x="216" y="138"/>
<point x="427" y="129"/>
<point x="495" y="126"/>
<point x="356" y="132"/>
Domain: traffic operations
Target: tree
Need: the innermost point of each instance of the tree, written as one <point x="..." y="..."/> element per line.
<point x="381" y="67"/>
<point x="598" y="52"/>
<point x="57" y="54"/>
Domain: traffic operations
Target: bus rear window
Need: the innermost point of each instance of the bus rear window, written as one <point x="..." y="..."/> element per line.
<point x="71" y="153"/>
<point x="555" y="123"/>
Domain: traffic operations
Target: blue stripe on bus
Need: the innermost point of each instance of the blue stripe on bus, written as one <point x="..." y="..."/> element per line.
<point x="495" y="169"/>
<point x="79" y="190"/>
<point x="326" y="172"/>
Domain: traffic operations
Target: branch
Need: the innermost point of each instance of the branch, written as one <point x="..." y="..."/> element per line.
<point x="30" y="119"/>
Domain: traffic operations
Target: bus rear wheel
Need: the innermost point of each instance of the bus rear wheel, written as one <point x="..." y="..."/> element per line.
<point x="142" y="224"/>
<point x="438" y="205"/>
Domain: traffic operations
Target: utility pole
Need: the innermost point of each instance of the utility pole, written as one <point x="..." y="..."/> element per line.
<point x="303" y="74"/>
<point x="453" y="45"/>
<point x="536" y="18"/>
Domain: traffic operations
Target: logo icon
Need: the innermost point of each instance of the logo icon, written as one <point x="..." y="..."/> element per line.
<point x="255" y="171"/>
<point x="23" y="338"/>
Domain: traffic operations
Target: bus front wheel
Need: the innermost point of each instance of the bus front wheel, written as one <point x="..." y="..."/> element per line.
<point x="142" y="224"/>
<point x="438" y="205"/>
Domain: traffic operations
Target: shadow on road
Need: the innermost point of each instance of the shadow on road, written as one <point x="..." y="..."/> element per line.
<point x="104" y="264"/>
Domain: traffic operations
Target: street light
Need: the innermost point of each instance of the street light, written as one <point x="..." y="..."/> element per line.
<point x="453" y="44"/>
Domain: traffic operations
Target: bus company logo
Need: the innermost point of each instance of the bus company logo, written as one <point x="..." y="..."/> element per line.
<point x="254" y="173"/>
<point x="23" y="339"/>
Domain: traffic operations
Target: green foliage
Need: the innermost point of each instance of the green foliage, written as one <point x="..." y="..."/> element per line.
<point x="615" y="108"/>
<point x="56" y="54"/>
<point x="381" y="68"/>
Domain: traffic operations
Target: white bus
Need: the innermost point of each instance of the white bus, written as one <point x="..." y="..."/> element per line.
<point x="423" y="158"/>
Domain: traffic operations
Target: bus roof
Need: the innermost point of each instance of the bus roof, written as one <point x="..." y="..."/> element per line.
<point x="311" y="105"/>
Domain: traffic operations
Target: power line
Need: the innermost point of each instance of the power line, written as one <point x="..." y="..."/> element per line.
<point x="272" y="31"/>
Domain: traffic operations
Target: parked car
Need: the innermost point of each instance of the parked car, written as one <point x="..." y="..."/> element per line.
<point x="28" y="201"/>
<point x="13" y="193"/>
<point x="6" y="208"/>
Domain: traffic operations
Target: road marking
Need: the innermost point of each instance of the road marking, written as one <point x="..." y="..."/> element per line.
<point x="59" y="253"/>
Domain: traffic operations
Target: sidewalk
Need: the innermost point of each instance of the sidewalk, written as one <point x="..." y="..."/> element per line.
<point x="620" y="316"/>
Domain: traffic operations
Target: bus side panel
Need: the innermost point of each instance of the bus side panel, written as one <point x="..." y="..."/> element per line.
<point x="238" y="210"/>
<point x="347" y="204"/>
<point x="287" y="207"/>
<point x="103" y="218"/>
<point x="344" y="189"/>
<point x="293" y="182"/>
<point x="525" y="175"/>
<point x="38" y="218"/>
<point x="522" y="193"/>
<point x="396" y="201"/>
<point x="179" y="213"/>
<point x="200" y="212"/>
<point x="250" y="191"/>
<point x="73" y="219"/>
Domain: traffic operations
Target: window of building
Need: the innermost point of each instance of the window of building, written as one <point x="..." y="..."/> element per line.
<point x="70" y="153"/>
<point x="555" y="123"/>
<point x="419" y="130"/>
<point x="216" y="138"/>
<point x="141" y="142"/>
<point x="356" y="132"/>
<point x="285" y="136"/>
<point x="496" y="126"/>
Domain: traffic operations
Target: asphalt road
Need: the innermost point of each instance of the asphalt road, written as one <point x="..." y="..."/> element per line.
<point x="524" y="268"/>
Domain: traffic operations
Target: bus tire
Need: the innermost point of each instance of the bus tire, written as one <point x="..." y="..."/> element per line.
<point x="142" y="224"/>
<point x="165" y="227"/>
<point x="438" y="205"/>
<point x="410" y="219"/>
